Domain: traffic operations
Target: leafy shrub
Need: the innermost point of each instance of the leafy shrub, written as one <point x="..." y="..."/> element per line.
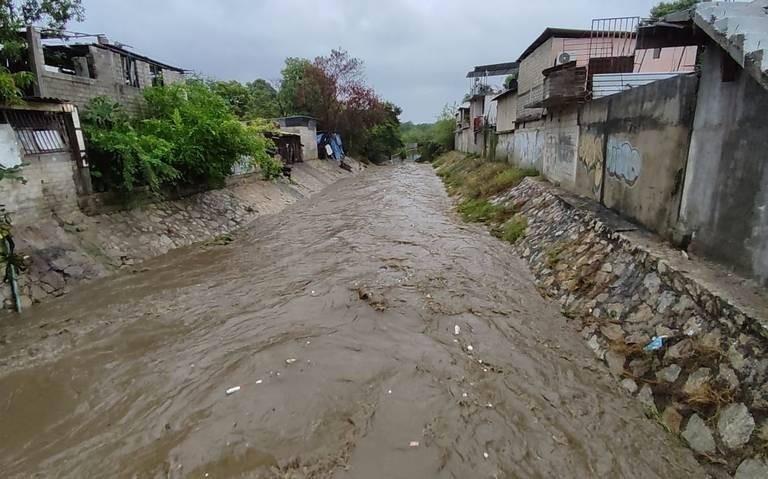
<point x="187" y="135"/>
<point x="514" y="229"/>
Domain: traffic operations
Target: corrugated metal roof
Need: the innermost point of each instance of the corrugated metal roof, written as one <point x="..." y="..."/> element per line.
<point x="553" y="33"/>
<point x="496" y="69"/>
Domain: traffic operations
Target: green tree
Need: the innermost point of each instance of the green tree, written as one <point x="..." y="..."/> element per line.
<point x="665" y="8"/>
<point x="383" y="140"/>
<point x="264" y="98"/>
<point x="290" y="97"/>
<point x="238" y="96"/>
<point x="189" y="135"/>
<point x="14" y="16"/>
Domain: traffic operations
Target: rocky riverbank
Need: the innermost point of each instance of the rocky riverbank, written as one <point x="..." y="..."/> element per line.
<point x="687" y="340"/>
<point x="65" y="252"/>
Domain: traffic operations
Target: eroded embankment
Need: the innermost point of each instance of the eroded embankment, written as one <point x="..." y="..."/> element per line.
<point x="704" y="376"/>
<point x="64" y="252"/>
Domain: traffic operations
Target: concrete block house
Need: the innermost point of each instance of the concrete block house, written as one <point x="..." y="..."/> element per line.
<point x="78" y="72"/>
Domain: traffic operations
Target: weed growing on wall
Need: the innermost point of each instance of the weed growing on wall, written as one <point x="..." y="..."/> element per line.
<point x="187" y="135"/>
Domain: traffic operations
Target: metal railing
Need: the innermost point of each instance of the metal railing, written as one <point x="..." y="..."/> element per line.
<point x="38" y="131"/>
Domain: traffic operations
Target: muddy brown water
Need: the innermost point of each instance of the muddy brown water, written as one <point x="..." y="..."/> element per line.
<point x="363" y="286"/>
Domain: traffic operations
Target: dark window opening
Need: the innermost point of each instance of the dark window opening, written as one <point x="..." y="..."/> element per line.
<point x="156" y="73"/>
<point x="656" y="53"/>
<point x="130" y="71"/>
<point x="728" y="67"/>
<point x="75" y="60"/>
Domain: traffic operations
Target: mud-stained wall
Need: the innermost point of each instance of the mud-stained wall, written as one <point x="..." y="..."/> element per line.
<point x="505" y="146"/>
<point x="561" y="144"/>
<point x="590" y="161"/>
<point x="528" y="148"/>
<point x="726" y="189"/>
<point x="636" y="143"/>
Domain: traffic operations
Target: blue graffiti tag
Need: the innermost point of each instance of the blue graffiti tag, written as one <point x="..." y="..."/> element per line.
<point x="624" y="161"/>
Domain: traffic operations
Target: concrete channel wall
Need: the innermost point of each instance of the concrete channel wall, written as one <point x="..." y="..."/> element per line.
<point x="681" y="157"/>
<point x="725" y="204"/>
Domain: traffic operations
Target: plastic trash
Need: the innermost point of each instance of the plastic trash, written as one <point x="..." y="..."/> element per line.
<point x="233" y="390"/>
<point x="655" y="344"/>
<point x="456" y="330"/>
<point x="470" y="348"/>
<point x="414" y="444"/>
<point x="259" y="381"/>
<point x="485" y="455"/>
<point x="290" y="361"/>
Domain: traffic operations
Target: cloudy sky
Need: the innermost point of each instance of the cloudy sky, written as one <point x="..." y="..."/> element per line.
<point x="417" y="52"/>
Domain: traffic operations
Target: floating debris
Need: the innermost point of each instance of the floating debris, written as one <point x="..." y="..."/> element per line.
<point x="485" y="455"/>
<point x="290" y="361"/>
<point x="456" y="330"/>
<point x="233" y="390"/>
<point x="414" y="444"/>
<point x="259" y="381"/>
<point x="470" y="348"/>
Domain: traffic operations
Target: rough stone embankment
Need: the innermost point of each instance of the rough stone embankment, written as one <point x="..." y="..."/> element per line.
<point x="64" y="252"/>
<point x="689" y="343"/>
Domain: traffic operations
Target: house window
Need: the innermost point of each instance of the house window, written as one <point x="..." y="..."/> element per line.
<point x="130" y="71"/>
<point x="157" y="75"/>
<point x="656" y="53"/>
<point x="38" y="131"/>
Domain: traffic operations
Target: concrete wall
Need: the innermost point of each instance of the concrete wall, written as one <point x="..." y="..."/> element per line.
<point x="464" y="139"/>
<point x="505" y="146"/>
<point x="50" y="184"/>
<point x="308" y="140"/>
<point x="476" y="139"/>
<point x="528" y="149"/>
<point x="643" y="136"/>
<point x="590" y="162"/>
<point x="506" y="113"/>
<point x="725" y="202"/>
<point x="531" y="76"/>
<point x="108" y="80"/>
<point x="561" y="143"/>
<point x="646" y="151"/>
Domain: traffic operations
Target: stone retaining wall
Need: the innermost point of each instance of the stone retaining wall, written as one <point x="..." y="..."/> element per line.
<point x="65" y="251"/>
<point x="707" y="380"/>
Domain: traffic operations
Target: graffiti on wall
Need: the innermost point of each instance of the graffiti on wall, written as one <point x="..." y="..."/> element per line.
<point x="505" y="147"/>
<point x="528" y="147"/>
<point x="624" y="161"/>
<point x="591" y="159"/>
<point x="560" y="154"/>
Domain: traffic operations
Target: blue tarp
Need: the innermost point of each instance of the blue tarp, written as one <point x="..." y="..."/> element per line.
<point x="334" y="141"/>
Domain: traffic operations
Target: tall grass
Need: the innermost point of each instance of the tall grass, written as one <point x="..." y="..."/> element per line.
<point x="477" y="181"/>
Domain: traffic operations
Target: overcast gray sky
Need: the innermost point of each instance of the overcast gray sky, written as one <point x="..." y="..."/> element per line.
<point x="416" y="52"/>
